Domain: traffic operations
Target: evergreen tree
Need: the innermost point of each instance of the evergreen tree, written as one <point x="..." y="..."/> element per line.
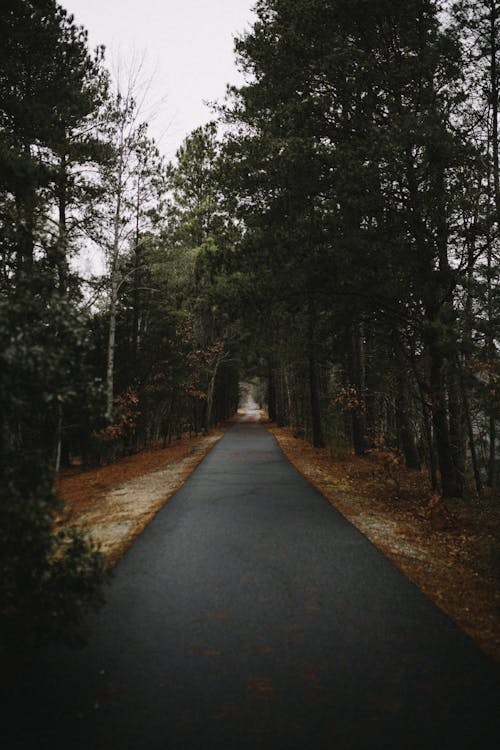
<point x="48" y="82"/>
<point x="351" y="171"/>
<point x="201" y="229"/>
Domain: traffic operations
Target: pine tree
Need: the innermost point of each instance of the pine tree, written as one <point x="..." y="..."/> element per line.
<point x="48" y="82"/>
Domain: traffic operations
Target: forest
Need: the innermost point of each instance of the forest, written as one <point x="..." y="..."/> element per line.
<point x="332" y="236"/>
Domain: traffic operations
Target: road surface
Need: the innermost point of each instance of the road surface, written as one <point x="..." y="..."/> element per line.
<point x="251" y="615"/>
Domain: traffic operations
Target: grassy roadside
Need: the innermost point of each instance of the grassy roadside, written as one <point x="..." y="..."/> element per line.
<point x="454" y="558"/>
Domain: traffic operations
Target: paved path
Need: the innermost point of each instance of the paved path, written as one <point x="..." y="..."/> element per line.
<point x="250" y="614"/>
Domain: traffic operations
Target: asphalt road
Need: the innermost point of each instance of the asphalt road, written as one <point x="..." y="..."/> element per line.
<point x="250" y="614"/>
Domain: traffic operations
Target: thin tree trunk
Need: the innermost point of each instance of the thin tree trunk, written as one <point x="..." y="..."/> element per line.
<point x="210" y="392"/>
<point x="110" y="366"/>
<point x="115" y="251"/>
<point x="317" y="430"/>
<point x="472" y="444"/>
<point x="289" y="408"/>
<point x="427" y="428"/>
<point x="60" y="259"/>
<point x="457" y="423"/>
<point x="60" y="264"/>
<point x="280" y="400"/>
<point x="357" y="380"/>
<point x="25" y="200"/>
<point x="57" y="463"/>
<point x="280" y="411"/>
<point x="494" y="104"/>
<point x="137" y="279"/>
<point x="271" y="392"/>
<point x="404" y="424"/>
<point x="491" y="352"/>
<point x="449" y="484"/>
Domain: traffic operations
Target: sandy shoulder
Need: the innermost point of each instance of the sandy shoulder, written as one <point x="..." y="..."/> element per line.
<point x="115" y="512"/>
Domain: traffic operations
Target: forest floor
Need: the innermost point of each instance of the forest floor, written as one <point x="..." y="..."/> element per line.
<point x="452" y="552"/>
<point x="114" y="503"/>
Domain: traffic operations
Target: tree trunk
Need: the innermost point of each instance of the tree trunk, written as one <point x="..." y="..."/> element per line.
<point x="457" y="429"/>
<point x="317" y="431"/>
<point x="358" y="382"/>
<point x="110" y="364"/>
<point x="60" y="265"/>
<point x="494" y="104"/>
<point x="271" y="392"/>
<point x="281" y="418"/>
<point x="60" y="254"/>
<point x="288" y="396"/>
<point x="210" y="393"/>
<point x="137" y="279"/>
<point x="491" y="354"/>
<point x="472" y="445"/>
<point x="427" y="418"/>
<point x="58" y="439"/>
<point x="449" y="485"/>
<point x="404" y="425"/>
<point x="115" y="285"/>
<point x="440" y="331"/>
<point x="25" y="200"/>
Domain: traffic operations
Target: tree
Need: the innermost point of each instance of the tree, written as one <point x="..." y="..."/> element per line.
<point x="478" y="24"/>
<point x="352" y="169"/>
<point x="130" y="188"/>
<point x="48" y="82"/>
<point x="200" y="227"/>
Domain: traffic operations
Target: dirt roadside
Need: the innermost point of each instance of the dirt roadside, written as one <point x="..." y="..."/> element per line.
<point x="115" y="503"/>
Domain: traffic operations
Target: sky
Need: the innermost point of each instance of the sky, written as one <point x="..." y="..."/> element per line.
<point x="187" y="47"/>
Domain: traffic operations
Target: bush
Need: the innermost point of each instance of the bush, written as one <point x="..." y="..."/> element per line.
<point x="48" y="579"/>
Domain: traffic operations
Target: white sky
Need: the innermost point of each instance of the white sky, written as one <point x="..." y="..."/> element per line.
<point x="188" y="48"/>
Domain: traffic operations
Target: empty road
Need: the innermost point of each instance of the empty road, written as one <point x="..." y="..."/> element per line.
<point x="250" y="614"/>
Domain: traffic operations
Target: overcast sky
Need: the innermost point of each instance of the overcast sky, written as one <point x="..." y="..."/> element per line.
<point x="188" y="47"/>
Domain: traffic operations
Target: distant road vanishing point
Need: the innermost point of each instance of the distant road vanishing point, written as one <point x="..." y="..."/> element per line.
<point x="251" y="615"/>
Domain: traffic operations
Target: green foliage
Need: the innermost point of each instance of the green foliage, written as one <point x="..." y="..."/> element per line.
<point x="358" y="170"/>
<point x="49" y="579"/>
<point x="49" y="88"/>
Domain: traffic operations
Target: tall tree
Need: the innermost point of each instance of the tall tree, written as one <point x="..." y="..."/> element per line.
<point x="126" y="207"/>
<point x="350" y="165"/>
<point x="199" y="226"/>
<point x="48" y="82"/>
<point x="478" y="23"/>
